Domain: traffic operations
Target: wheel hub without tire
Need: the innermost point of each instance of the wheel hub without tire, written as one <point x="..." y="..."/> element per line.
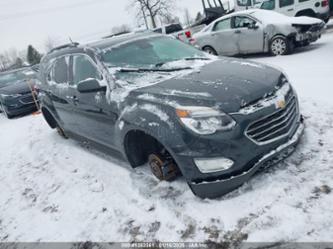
<point x="162" y="168"/>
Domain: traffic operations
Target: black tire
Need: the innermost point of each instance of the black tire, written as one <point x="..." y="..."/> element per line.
<point x="281" y="45"/>
<point x="326" y="20"/>
<point x="210" y="50"/>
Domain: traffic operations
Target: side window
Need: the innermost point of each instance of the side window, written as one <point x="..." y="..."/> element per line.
<point x="159" y="30"/>
<point x="244" y="3"/>
<point x="59" y="73"/>
<point x="223" y="25"/>
<point x="301" y="1"/>
<point x="268" y="5"/>
<point x="284" y="3"/>
<point x="84" y="69"/>
<point x="243" y="22"/>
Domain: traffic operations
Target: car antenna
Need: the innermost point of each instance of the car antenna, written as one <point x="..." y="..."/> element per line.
<point x="70" y="39"/>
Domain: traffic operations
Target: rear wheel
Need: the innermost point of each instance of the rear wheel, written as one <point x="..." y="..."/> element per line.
<point x="210" y="50"/>
<point x="280" y="45"/>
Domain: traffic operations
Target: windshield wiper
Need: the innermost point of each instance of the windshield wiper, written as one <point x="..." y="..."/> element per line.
<point x="144" y="70"/>
<point x="185" y="59"/>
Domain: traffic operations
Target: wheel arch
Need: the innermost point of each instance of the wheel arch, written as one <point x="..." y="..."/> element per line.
<point x="306" y="12"/>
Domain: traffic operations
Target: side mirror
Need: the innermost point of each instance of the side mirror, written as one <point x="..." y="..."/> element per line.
<point x="89" y="86"/>
<point x="253" y="25"/>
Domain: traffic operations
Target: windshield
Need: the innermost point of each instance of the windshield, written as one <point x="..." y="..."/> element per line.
<point x="149" y="52"/>
<point x="8" y="78"/>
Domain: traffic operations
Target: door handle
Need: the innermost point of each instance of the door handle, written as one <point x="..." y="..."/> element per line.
<point x="237" y="31"/>
<point x="290" y="9"/>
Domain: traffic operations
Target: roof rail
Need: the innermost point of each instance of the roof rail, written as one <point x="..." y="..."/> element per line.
<point x="69" y="45"/>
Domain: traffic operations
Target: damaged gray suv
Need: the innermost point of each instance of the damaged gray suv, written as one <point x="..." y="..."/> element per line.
<point x="215" y="121"/>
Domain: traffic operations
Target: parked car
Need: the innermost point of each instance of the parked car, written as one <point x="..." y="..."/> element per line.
<point x="16" y="92"/>
<point x="257" y="31"/>
<point x="155" y="99"/>
<point x="176" y="30"/>
<point x="312" y="8"/>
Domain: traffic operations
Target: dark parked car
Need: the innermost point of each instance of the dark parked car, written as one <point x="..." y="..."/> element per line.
<point x="16" y="95"/>
<point x="216" y="121"/>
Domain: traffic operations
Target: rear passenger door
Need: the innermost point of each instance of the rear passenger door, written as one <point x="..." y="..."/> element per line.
<point x="59" y="91"/>
<point x="96" y="118"/>
<point x="224" y="38"/>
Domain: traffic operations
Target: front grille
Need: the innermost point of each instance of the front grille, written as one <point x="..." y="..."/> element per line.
<point x="27" y="100"/>
<point x="274" y="126"/>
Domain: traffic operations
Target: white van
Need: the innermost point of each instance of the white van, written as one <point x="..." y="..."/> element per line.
<point x="312" y="8"/>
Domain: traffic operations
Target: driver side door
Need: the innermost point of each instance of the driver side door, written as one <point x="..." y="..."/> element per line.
<point x="250" y="34"/>
<point x="95" y="117"/>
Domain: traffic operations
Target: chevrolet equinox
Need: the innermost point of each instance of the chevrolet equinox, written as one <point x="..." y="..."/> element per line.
<point x="216" y="121"/>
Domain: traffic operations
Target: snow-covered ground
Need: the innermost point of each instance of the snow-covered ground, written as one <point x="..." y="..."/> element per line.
<point x="59" y="190"/>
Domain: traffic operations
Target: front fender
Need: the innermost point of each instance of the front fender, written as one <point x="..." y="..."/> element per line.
<point x="156" y="120"/>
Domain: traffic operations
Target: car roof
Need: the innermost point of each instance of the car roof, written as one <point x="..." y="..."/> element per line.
<point x="243" y="12"/>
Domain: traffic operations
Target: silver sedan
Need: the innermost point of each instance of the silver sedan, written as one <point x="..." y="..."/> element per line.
<point x="257" y="31"/>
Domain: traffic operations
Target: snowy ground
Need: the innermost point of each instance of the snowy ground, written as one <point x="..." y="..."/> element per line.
<point x="58" y="190"/>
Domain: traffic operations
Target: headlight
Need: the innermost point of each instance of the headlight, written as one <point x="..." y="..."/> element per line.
<point x="204" y="120"/>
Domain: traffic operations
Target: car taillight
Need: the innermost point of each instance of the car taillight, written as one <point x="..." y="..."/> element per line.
<point x="324" y="3"/>
<point x="188" y="34"/>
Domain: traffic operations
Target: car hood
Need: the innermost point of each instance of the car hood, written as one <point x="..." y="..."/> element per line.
<point x="19" y="87"/>
<point x="228" y="83"/>
<point x="305" y="20"/>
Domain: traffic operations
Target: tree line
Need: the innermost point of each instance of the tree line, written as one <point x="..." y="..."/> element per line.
<point x="13" y="59"/>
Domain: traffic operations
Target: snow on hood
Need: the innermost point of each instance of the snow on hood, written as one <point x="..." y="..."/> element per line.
<point x="131" y="81"/>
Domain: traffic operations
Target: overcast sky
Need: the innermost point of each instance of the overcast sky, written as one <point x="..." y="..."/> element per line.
<point x="24" y="22"/>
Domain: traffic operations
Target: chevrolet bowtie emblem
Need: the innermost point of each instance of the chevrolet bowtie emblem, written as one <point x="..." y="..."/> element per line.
<point x="280" y="104"/>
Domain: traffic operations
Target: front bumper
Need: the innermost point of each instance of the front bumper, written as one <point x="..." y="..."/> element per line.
<point x="217" y="188"/>
<point x="312" y="35"/>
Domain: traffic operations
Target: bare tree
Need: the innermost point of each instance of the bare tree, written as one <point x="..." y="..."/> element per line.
<point x="153" y="8"/>
<point x="10" y="59"/>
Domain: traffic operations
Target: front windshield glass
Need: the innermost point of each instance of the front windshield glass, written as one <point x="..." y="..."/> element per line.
<point x="149" y="52"/>
<point x="8" y="78"/>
